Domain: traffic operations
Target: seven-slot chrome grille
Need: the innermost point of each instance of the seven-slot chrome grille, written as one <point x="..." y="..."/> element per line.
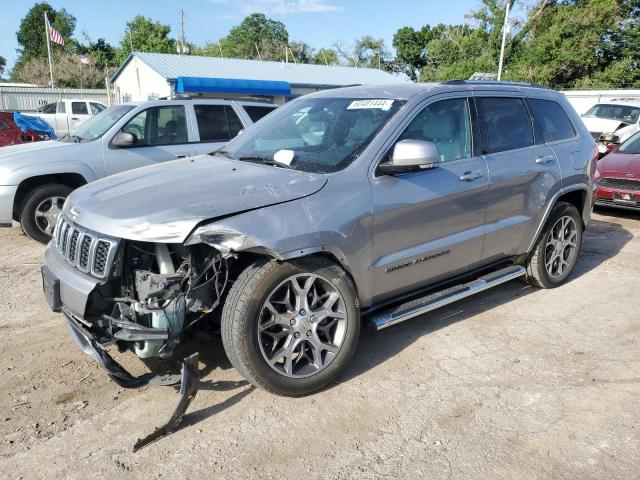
<point x="628" y="184"/>
<point x="85" y="250"/>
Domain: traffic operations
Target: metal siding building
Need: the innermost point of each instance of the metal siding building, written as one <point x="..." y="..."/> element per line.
<point x="145" y="76"/>
<point x="32" y="97"/>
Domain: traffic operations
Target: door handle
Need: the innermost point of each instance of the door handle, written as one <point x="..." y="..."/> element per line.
<point x="544" y="159"/>
<point x="74" y="118"/>
<point x="181" y="155"/>
<point x="470" y="176"/>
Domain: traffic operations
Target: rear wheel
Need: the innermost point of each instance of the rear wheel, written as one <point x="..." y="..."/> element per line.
<point x="41" y="209"/>
<point x="556" y="252"/>
<point x="291" y="327"/>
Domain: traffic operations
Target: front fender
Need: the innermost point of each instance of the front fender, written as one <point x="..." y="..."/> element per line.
<point x="19" y="175"/>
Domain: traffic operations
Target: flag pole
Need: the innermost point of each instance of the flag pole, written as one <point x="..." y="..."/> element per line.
<point x="46" y="27"/>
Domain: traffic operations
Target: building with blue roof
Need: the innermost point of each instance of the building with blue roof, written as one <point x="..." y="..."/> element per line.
<point x="147" y="76"/>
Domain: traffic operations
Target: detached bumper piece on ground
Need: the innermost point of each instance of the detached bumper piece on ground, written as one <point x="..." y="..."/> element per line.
<point x="189" y="381"/>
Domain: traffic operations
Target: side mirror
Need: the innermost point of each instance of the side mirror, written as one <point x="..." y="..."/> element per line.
<point x="411" y="156"/>
<point x="124" y="140"/>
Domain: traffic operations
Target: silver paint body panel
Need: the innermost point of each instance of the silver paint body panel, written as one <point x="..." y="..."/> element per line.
<point x="371" y="224"/>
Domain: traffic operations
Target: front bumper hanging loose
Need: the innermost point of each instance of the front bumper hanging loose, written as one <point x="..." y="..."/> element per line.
<point x="189" y="382"/>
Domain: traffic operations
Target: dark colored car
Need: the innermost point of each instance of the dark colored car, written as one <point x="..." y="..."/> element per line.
<point x="618" y="176"/>
<point x="10" y="133"/>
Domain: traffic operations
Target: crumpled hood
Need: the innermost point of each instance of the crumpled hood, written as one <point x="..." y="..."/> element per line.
<point x="164" y="202"/>
<point x="601" y="125"/>
<point x="620" y="163"/>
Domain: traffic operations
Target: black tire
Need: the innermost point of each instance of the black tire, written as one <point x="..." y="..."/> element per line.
<point x="28" y="221"/>
<point x="538" y="274"/>
<point x="241" y="313"/>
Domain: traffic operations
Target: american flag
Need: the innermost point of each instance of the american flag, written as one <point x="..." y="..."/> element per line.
<point x="54" y="35"/>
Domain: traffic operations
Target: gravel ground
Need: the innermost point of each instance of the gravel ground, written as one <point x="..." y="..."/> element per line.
<point x="515" y="383"/>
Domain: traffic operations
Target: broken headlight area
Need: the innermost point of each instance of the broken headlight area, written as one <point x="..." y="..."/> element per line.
<point x="160" y="291"/>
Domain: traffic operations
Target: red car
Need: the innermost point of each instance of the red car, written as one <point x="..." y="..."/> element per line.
<point x="618" y="176"/>
<point x="10" y="133"/>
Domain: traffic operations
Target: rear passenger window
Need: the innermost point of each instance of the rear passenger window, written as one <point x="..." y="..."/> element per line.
<point x="446" y="123"/>
<point x="507" y="122"/>
<point x="550" y="121"/>
<point x="79" y="108"/>
<point x="217" y="123"/>
<point x="256" y="113"/>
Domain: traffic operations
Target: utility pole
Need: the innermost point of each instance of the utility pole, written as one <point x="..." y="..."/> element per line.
<point x="182" y="47"/>
<point x="505" y="27"/>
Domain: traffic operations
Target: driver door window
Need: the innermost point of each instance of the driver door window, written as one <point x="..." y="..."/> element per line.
<point x="447" y="124"/>
<point x="159" y="126"/>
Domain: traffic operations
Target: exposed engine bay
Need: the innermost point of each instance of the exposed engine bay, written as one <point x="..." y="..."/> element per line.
<point x="160" y="291"/>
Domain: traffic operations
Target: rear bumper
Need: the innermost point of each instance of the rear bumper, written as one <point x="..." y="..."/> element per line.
<point x="7" y="197"/>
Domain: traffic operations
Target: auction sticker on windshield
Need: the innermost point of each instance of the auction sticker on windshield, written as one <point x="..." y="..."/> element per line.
<point x="370" y="103"/>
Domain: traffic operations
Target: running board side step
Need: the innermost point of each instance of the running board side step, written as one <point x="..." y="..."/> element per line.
<point x="420" y="306"/>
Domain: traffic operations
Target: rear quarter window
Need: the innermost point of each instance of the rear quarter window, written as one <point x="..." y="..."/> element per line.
<point x="550" y="121"/>
<point x="507" y="123"/>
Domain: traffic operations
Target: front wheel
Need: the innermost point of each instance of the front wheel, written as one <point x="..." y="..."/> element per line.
<point x="41" y="209"/>
<point x="291" y="327"/>
<point x="556" y="252"/>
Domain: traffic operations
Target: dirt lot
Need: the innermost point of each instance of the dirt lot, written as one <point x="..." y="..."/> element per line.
<point x="516" y="383"/>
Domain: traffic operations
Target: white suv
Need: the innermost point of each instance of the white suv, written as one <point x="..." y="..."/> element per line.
<point x="36" y="178"/>
<point x="613" y="122"/>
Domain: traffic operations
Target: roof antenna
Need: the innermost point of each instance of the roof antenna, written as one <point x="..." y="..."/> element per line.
<point x="258" y="50"/>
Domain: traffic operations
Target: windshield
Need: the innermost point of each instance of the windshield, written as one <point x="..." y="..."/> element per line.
<point x="622" y="113"/>
<point x="98" y="125"/>
<point x="319" y="135"/>
<point x="631" y="145"/>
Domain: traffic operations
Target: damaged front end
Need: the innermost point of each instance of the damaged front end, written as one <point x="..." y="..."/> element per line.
<point x="139" y="296"/>
<point x="162" y="291"/>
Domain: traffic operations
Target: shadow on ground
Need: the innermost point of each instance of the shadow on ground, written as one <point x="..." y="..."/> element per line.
<point x="602" y="241"/>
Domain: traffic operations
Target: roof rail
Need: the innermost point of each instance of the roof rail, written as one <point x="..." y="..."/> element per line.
<point x="492" y="82"/>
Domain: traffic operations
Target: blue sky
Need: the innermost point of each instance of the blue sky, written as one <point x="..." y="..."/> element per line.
<point x="318" y="22"/>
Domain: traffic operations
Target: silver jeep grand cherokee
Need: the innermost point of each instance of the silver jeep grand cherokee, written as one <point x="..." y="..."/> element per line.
<point x="385" y="202"/>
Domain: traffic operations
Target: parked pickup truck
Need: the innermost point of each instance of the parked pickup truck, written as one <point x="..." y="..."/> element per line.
<point x="66" y="115"/>
<point x="37" y="178"/>
<point x="386" y="201"/>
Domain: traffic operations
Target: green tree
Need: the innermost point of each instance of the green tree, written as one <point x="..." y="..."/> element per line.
<point x="256" y="30"/>
<point x="325" y="56"/>
<point x="144" y="35"/>
<point x="302" y="51"/>
<point x="580" y="43"/>
<point x="367" y="52"/>
<point x="68" y="72"/>
<point x="31" y="33"/>
<point x="3" y="65"/>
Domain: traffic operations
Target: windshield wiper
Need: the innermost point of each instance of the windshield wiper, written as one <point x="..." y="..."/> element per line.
<point x="264" y="160"/>
<point x="253" y="158"/>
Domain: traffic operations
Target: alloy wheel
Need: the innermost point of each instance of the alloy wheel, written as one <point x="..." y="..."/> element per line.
<point x="47" y="213"/>
<point x="302" y="325"/>
<point x="561" y="246"/>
